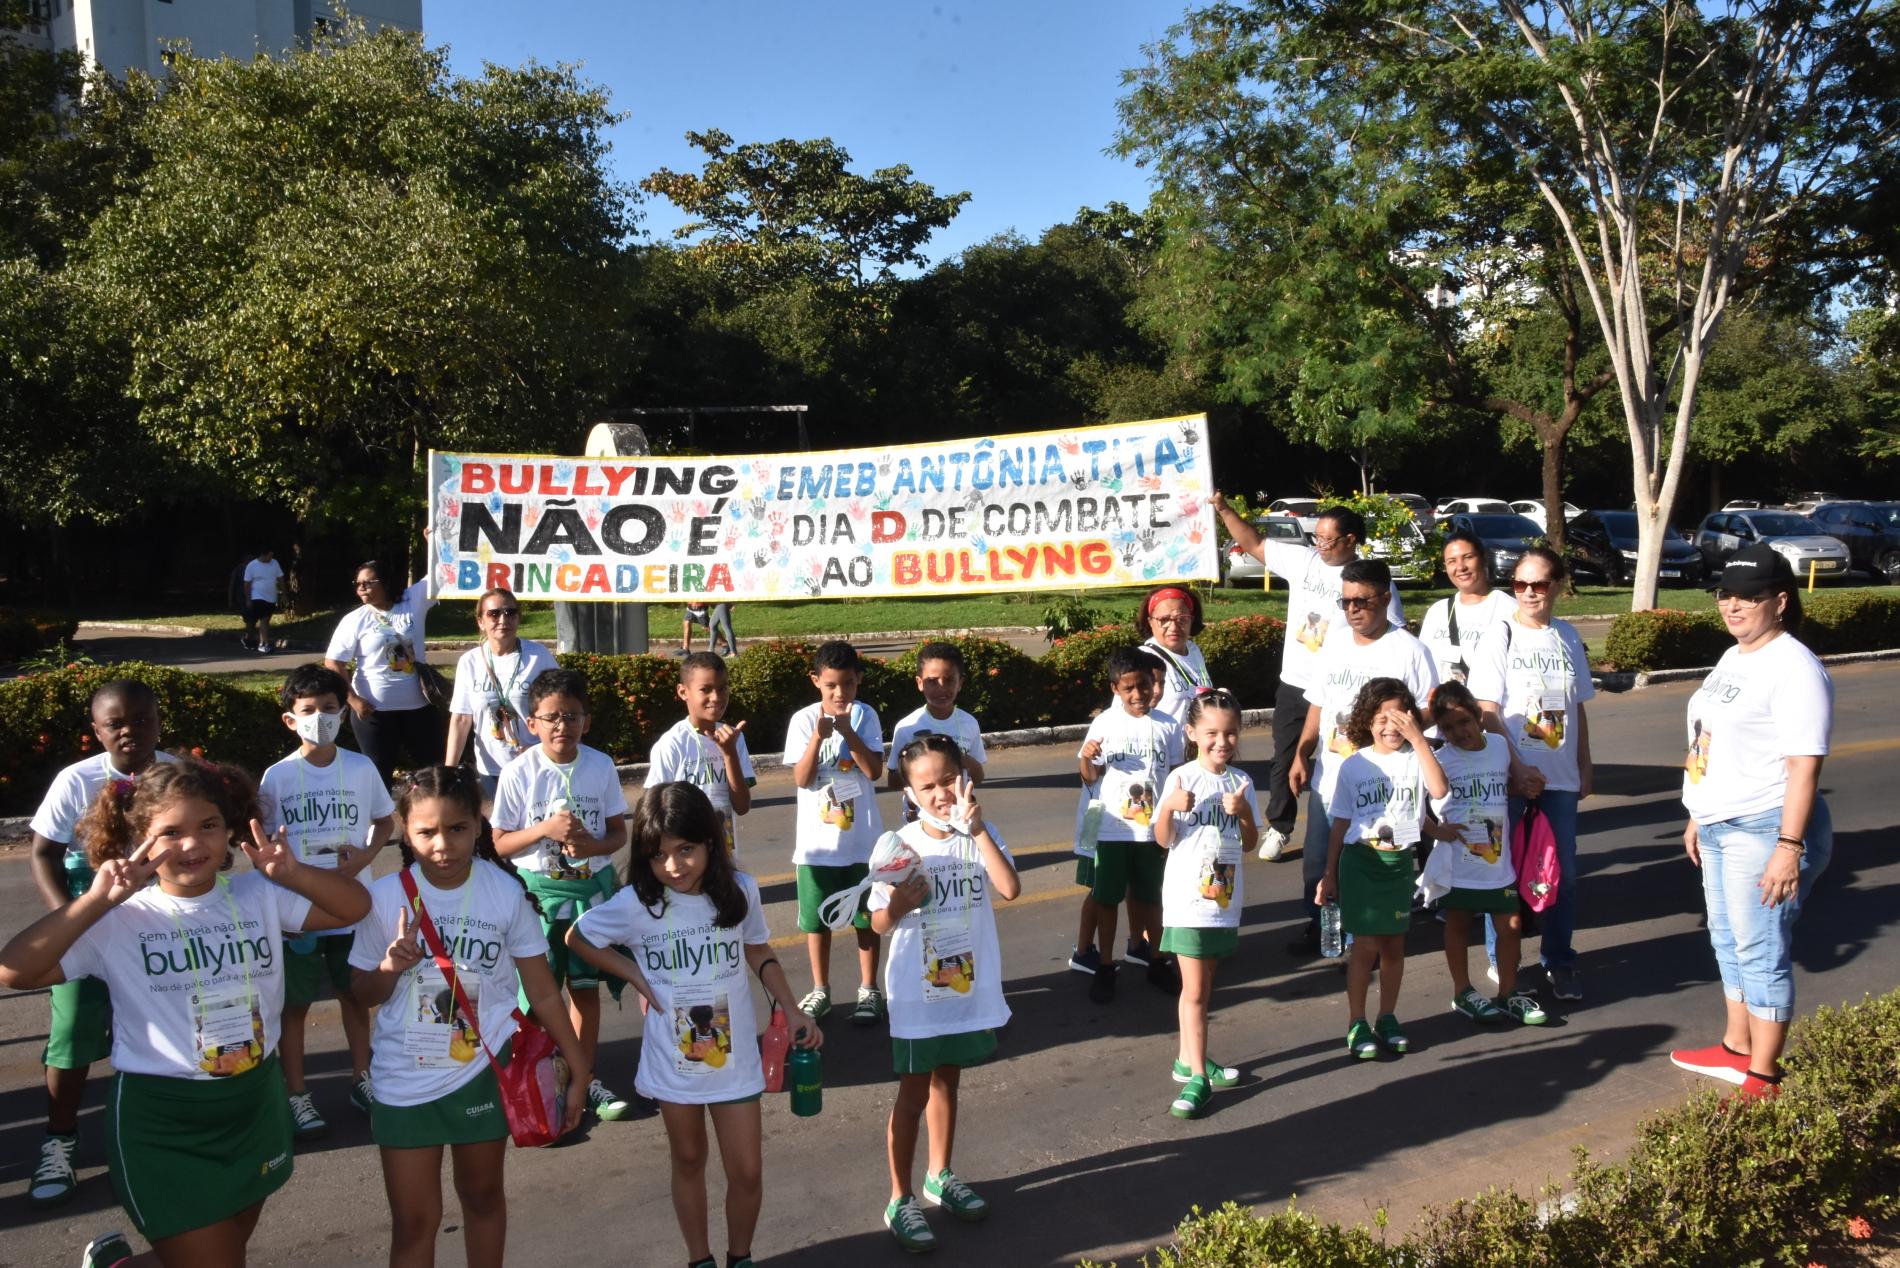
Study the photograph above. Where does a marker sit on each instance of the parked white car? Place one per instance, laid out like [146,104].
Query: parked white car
[1305,510]
[1473,506]
[1532,509]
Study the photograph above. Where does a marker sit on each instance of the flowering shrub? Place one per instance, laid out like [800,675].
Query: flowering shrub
[1003,690]
[632,699]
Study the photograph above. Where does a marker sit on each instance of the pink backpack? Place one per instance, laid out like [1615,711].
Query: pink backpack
[1534,855]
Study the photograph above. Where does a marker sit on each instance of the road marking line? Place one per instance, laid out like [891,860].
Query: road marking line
[1027,851]
[1861,747]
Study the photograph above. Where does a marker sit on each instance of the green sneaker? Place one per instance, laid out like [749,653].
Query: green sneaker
[1359,1041]
[1218,1075]
[817,1003]
[1387,1028]
[359,1093]
[906,1221]
[1526,1009]
[1475,1006]
[956,1197]
[103,1252]
[870,1009]
[1192,1098]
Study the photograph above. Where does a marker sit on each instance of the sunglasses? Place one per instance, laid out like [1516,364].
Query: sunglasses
[1746,600]
[1355,604]
[503,614]
[1532,587]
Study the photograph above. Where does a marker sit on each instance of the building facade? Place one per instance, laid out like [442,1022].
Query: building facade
[119,36]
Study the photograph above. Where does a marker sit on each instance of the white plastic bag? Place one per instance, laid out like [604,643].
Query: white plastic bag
[892,863]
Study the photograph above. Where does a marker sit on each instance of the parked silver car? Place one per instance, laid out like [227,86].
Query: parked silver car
[1240,568]
[1796,538]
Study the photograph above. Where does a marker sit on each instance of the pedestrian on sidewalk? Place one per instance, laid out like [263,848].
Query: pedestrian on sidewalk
[261,576]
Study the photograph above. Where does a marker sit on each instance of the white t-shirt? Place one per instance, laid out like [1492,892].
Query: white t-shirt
[1478,801]
[944,972]
[683,753]
[1204,884]
[260,580]
[484,683]
[533,787]
[1754,710]
[959,726]
[385,647]
[1346,665]
[420,1047]
[1537,678]
[1454,654]
[1382,795]
[1186,678]
[838,818]
[1312,607]
[1137,754]
[700,1046]
[197,983]
[324,808]
[67,799]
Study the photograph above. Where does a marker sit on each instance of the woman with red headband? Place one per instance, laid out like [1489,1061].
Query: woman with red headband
[1169,619]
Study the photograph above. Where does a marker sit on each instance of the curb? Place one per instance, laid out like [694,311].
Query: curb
[1660,677]
[139,627]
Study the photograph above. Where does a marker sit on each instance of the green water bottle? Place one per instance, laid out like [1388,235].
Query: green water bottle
[805,1071]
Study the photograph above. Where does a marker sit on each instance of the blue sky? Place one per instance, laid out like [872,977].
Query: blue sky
[1014,102]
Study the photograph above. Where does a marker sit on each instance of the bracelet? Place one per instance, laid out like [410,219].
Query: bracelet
[1796,849]
[1790,840]
[763,963]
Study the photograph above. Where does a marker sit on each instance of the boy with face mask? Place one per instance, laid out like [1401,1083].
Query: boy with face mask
[336,813]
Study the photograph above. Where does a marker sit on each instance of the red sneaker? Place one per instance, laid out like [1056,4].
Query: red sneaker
[1717,1061]
[1756,1088]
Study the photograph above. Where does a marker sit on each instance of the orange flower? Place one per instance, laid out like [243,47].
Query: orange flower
[1859,1229]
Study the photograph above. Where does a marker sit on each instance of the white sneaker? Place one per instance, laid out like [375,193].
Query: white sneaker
[1272,842]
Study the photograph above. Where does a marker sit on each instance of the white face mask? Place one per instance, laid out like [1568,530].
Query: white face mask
[317,728]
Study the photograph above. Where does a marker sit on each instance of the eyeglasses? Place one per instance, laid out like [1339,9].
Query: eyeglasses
[1746,600]
[371,584]
[1327,543]
[1353,603]
[557,719]
[503,614]
[1182,619]
[1532,587]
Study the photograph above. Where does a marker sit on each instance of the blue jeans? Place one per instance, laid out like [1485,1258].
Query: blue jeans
[1559,920]
[1754,945]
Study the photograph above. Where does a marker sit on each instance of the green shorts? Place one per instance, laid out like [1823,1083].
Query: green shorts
[469,1115]
[306,971]
[1201,944]
[568,969]
[188,1153]
[817,883]
[1375,890]
[80,1031]
[1128,869]
[1085,872]
[921,1056]
[1498,902]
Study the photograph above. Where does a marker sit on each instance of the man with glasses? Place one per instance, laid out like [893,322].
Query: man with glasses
[1368,644]
[1312,574]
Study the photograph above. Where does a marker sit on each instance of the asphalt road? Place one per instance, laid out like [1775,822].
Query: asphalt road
[1067,1133]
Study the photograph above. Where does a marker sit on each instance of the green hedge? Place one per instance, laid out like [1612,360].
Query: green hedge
[44,723]
[1714,1182]
[24,632]
[1666,639]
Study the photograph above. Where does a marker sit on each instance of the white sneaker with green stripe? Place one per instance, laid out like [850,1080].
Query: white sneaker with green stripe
[1471,1003]
[956,1197]
[608,1107]
[906,1221]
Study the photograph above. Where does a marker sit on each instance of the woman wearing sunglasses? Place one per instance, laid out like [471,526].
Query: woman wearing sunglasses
[491,690]
[377,648]
[1531,677]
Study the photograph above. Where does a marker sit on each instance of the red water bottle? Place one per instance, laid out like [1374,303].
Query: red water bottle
[773,1045]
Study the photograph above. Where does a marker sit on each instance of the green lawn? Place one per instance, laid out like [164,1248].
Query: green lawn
[453,621]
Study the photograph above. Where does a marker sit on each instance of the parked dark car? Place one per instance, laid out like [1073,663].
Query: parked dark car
[1505,537]
[1869,530]
[1603,547]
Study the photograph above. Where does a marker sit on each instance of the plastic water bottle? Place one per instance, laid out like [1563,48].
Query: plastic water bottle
[806,1072]
[1332,941]
[774,1044]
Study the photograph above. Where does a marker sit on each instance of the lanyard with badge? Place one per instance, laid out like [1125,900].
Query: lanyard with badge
[504,726]
[1545,709]
[327,854]
[838,794]
[702,1012]
[436,1032]
[1395,829]
[559,864]
[1192,681]
[228,1026]
[401,659]
[949,943]
[708,773]
[1217,846]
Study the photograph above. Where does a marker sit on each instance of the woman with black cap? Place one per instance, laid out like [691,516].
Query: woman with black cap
[1758,828]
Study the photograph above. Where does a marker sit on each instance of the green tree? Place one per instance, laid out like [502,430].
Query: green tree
[344,256]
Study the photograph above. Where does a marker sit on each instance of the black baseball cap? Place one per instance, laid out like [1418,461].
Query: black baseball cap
[1754,570]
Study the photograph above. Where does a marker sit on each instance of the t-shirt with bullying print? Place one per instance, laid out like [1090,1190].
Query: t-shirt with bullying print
[1756,710]
[197,983]
[385,647]
[422,1046]
[683,753]
[1137,754]
[1382,795]
[700,1045]
[67,800]
[944,974]
[1537,678]
[1478,801]
[1348,665]
[1187,676]
[492,692]
[323,809]
[838,818]
[1204,884]
[1312,607]
[535,786]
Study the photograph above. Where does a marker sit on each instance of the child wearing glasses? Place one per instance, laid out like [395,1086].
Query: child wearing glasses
[559,814]
[491,690]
